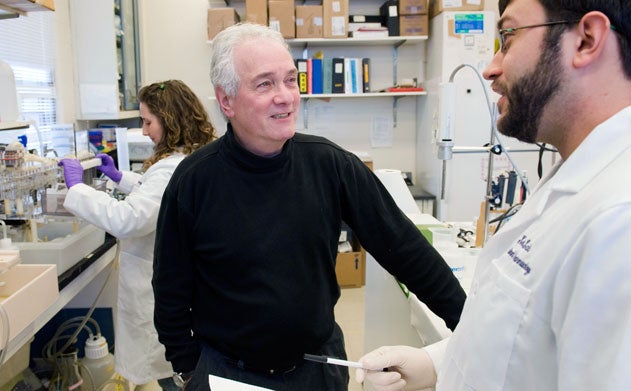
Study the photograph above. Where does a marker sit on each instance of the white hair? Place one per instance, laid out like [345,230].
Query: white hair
[222,71]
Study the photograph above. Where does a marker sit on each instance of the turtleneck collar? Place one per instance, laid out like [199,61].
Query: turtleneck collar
[236,154]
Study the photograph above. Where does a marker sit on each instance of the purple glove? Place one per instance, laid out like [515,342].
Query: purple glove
[73,172]
[108,168]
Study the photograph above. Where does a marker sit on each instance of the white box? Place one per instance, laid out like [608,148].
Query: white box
[64,243]
[28,291]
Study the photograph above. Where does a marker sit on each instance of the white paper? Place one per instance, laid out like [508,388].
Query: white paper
[99,98]
[323,119]
[452,3]
[217,383]
[394,183]
[382,132]
[122,148]
[338,26]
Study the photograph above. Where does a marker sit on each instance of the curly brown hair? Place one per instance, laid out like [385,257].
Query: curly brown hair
[185,122]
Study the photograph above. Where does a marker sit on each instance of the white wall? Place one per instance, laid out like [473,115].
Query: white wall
[174,45]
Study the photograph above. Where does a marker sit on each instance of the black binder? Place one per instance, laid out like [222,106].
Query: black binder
[338,76]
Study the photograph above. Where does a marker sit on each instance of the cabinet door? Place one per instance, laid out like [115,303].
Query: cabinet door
[97,49]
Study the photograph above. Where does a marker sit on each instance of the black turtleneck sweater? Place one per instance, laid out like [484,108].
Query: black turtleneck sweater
[249,244]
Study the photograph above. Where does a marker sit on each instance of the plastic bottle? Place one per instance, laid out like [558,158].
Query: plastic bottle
[98,363]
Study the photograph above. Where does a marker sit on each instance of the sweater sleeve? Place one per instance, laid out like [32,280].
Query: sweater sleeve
[173,281]
[397,244]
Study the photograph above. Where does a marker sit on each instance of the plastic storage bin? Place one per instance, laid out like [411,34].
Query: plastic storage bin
[62,244]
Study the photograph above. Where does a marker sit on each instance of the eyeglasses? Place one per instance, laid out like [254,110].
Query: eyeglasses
[504,33]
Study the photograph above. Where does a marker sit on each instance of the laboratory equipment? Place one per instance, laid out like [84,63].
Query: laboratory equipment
[32,194]
[23,180]
[456,126]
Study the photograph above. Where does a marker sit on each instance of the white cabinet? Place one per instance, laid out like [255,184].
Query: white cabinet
[103,91]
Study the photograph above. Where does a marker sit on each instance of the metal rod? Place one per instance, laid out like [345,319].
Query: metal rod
[489,180]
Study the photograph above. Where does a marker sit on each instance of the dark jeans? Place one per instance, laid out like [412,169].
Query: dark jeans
[307,375]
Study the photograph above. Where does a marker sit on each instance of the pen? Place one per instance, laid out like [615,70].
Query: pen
[335,361]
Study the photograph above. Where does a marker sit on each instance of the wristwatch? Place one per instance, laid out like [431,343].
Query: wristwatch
[180,379]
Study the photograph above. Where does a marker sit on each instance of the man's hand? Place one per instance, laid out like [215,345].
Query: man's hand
[407,368]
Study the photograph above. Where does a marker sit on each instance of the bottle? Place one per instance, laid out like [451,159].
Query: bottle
[66,372]
[97,366]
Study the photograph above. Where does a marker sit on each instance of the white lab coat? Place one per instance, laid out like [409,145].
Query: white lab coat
[138,355]
[550,304]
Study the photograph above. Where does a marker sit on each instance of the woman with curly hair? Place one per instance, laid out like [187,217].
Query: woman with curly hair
[177,123]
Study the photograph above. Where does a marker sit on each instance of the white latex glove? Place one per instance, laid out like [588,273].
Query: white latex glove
[408,369]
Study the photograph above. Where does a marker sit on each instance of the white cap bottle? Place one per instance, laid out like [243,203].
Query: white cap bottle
[98,364]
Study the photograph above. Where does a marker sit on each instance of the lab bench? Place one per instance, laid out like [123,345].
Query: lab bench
[71,283]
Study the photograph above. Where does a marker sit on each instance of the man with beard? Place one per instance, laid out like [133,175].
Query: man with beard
[549,306]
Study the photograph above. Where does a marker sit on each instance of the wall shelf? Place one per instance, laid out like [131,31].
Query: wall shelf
[129,114]
[364,95]
[14,125]
[15,8]
[380,41]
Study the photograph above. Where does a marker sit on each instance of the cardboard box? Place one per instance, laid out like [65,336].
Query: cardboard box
[438,6]
[256,11]
[335,18]
[412,7]
[350,268]
[414,25]
[220,18]
[308,21]
[282,17]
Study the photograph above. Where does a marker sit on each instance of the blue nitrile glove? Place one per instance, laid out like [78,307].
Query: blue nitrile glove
[108,168]
[73,172]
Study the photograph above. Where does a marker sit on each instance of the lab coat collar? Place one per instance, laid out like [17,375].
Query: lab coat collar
[600,148]
[607,141]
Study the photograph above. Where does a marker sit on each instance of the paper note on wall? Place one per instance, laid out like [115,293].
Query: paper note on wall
[382,131]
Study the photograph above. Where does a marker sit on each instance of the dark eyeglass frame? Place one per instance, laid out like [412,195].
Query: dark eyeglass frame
[503,33]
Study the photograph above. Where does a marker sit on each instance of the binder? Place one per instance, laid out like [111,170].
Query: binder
[316,76]
[303,82]
[309,76]
[348,76]
[327,76]
[338,75]
[366,74]
[358,84]
[390,16]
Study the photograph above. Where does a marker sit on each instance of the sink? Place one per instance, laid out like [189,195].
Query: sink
[28,291]
[62,243]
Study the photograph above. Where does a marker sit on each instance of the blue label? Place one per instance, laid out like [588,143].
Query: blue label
[469,24]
